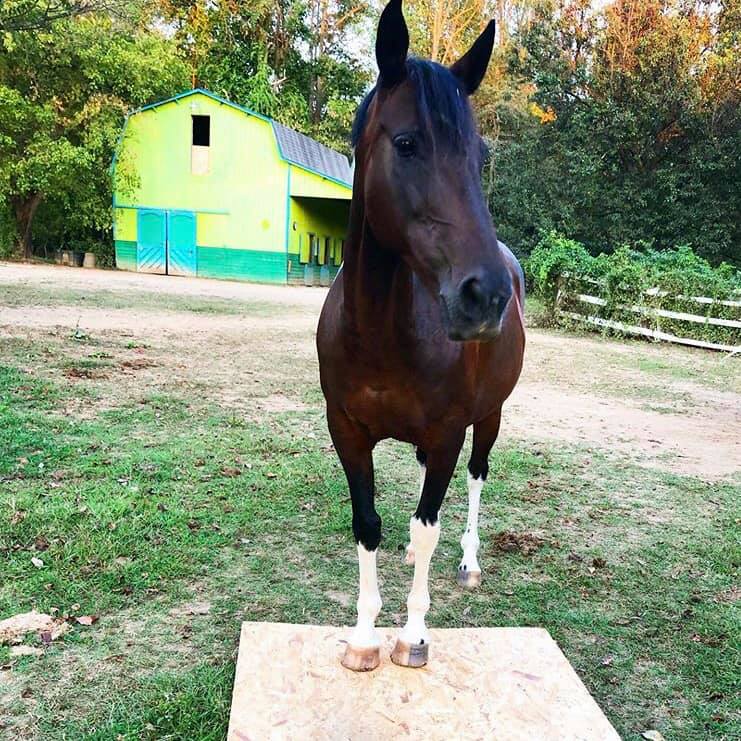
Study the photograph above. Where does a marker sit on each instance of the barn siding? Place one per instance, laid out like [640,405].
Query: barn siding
[241,202]
[295,273]
[224,262]
[295,270]
[246,224]
[125,254]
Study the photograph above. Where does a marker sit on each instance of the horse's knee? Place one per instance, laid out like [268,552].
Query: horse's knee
[478,467]
[367,530]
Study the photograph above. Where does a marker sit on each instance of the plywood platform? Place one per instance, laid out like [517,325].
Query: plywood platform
[508,684]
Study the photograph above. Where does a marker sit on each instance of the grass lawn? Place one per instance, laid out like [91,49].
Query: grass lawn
[172,517]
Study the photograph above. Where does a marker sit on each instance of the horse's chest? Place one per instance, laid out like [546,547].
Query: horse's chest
[389,412]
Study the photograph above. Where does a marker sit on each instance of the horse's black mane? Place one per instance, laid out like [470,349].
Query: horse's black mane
[442,105]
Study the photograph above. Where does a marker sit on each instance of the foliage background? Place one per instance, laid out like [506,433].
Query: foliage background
[559,269]
[615,124]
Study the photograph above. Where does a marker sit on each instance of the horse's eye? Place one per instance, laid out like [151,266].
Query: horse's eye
[405,145]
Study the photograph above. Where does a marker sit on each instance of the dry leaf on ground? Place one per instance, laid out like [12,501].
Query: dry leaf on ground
[14,628]
[87,619]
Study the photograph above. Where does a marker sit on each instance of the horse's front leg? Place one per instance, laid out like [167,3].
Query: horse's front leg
[484,436]
[412,646]
[422,460]
[355,451]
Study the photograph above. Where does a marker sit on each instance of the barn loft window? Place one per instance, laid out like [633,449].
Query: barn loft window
[201,131]
[201,141]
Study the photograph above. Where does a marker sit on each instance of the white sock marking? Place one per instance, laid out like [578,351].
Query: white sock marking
[364,634]
[470,539]
[423,540]
[409,557]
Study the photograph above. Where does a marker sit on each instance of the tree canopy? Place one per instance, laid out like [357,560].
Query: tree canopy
[614,124]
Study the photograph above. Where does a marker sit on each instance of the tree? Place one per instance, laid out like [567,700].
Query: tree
[631,132]
[286,59]
[34,15]
[64,93]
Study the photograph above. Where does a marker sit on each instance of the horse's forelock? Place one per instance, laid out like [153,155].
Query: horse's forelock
[443,107]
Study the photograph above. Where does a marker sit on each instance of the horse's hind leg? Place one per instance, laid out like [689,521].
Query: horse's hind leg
[412,646]
[484,436]
[422,460]
[354,449]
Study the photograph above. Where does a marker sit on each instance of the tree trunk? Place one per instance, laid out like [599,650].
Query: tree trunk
[25,210]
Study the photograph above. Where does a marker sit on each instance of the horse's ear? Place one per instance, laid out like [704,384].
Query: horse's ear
[392,44]
[471,67]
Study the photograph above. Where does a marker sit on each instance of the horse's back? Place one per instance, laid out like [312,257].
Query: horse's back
[515,269]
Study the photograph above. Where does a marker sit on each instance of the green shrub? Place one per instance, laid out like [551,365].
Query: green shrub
[553,257]
[559,270]
[8,237]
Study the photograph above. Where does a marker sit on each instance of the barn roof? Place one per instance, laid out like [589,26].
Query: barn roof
[311,154]
[293,147]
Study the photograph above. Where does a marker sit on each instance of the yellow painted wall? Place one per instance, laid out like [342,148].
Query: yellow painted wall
[125,224]
[212,230]
[325,218]
[304,183]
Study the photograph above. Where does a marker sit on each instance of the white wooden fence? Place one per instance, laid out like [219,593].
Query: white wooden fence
[647,311]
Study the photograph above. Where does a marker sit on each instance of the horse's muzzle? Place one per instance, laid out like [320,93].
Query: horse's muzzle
[476,309]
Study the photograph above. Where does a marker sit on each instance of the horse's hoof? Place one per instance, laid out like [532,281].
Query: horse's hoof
[406,654]
[361,659]
[469,579]
[409,557]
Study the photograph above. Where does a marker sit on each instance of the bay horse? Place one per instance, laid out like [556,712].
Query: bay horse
[421,334]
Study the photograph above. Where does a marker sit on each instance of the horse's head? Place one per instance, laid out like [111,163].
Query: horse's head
[418,170]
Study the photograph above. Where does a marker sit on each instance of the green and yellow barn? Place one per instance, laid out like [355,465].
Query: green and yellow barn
[205,187]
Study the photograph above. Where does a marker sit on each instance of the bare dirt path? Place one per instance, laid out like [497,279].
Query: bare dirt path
[668,407]
[58,276]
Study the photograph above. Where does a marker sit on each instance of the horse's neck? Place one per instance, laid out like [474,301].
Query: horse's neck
[378,291]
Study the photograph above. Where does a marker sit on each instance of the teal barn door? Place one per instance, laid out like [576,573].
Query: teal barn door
[181,243]
[151,245]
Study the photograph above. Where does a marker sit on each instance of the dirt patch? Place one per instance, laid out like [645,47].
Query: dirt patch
[730,595]
[53,276]
[191,608]
[665,407]
[84,373]
[280,403]
[342,598]
[137,364]
[706,444]
[525,543]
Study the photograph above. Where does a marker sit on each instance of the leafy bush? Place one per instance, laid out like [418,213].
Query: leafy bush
[7,233]
[631,285]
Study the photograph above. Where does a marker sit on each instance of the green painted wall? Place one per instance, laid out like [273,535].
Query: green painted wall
[240,202]
[296,274]
[223,262]
[125,255]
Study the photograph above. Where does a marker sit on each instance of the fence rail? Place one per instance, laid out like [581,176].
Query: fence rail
[563,295]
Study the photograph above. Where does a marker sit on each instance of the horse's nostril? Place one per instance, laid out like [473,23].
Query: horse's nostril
[474,294]
[502,302]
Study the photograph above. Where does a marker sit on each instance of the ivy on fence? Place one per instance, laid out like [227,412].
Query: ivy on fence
[672,294]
